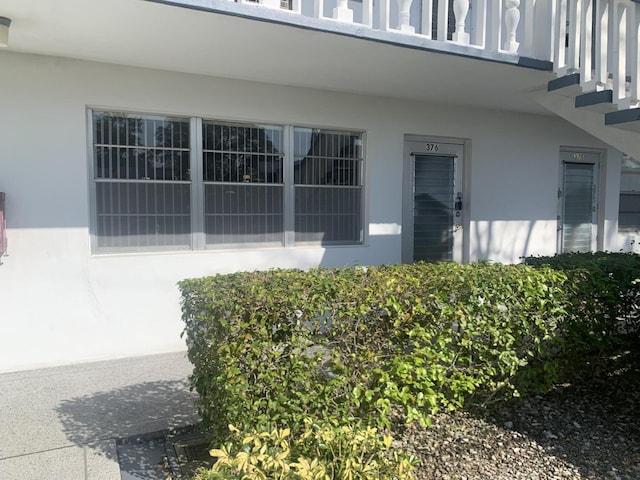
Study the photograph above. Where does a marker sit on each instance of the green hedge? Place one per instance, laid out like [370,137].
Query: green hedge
[604,293]
[276,347]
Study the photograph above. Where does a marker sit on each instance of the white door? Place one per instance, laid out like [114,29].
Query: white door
[578,209]
[434,202]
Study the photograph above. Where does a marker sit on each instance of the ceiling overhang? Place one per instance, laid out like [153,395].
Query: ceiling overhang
[219,38]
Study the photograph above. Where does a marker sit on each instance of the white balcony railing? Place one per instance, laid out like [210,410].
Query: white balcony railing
[596,38]
[602,45]
[493,25]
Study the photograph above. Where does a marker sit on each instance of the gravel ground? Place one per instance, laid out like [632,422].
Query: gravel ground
[589,429]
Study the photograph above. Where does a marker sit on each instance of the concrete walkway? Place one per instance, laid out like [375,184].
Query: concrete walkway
[61,423]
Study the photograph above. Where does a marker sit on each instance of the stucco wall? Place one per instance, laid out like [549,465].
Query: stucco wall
[59,304]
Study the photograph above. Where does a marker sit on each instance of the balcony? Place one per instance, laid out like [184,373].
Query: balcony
[501,30]
[592,45]
[478,53]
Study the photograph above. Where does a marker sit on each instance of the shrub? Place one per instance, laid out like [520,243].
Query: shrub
[604,293]
[276,347]
[321,452]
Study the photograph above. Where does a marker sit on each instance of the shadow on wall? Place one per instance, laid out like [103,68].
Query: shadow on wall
[511,243]
[131,410]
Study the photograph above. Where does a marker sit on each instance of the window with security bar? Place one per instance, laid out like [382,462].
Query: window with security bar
[243,187]
[328,186]
[629,206]
[142,182]
[254,184]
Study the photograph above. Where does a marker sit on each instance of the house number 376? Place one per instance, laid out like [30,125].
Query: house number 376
[432,147]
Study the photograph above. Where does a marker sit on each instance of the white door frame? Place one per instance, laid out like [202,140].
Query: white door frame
[587,156]
[437,146]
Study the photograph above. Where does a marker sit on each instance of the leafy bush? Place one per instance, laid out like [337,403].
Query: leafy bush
[604,293]
[321,452]
[276,347]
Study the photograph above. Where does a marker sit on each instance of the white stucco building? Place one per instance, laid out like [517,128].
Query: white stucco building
[143,142]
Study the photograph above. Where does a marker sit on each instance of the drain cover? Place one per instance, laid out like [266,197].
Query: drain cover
[175,453]
[187,452]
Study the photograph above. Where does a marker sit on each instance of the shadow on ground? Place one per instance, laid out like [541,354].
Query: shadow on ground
[123,412]
[593,423]
[588,429]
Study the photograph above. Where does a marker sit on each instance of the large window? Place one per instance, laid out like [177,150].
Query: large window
[142,182]
[328,196]
[167,183]
[629,209]
[242,173]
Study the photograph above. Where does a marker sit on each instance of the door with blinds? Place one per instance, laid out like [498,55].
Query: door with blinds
[578,209]
[433,221]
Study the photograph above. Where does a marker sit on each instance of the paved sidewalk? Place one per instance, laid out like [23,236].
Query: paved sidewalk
[61,423]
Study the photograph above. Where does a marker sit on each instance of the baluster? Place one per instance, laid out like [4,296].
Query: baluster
[494,24]
[404,16]
[559,56]
[586,47]
[634,58]
[538,28]
[460,11]
[367,13]
[603,13]
[529,23]
[545,38]
[511,20]
[443,20]
[479,18]
[427,18]
[383,15]
[619,51]
[342,12]
[573,52]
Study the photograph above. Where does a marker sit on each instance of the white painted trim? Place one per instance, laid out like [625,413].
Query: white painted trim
[288,196]
[198,235]
[91,189]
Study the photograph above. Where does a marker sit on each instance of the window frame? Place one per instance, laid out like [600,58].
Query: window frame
[93,182]
[199,148]
[197,186]
[359,185]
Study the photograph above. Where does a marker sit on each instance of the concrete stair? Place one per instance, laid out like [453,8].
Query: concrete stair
[593,111]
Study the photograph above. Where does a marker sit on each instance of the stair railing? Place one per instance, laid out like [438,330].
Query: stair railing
[599,40]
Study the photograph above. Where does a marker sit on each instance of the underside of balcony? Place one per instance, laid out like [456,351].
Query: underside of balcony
[225,39]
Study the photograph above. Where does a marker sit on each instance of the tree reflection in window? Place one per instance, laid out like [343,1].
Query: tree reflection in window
[243,176]
[141,148]
[242,153]
[331,158]
[142,188]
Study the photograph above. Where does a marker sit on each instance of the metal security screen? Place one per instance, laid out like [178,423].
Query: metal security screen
[578,208]
[242,173]
[629,212]
[629,206]
[433,207]
[328,186]
[142,182]
[169,183]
